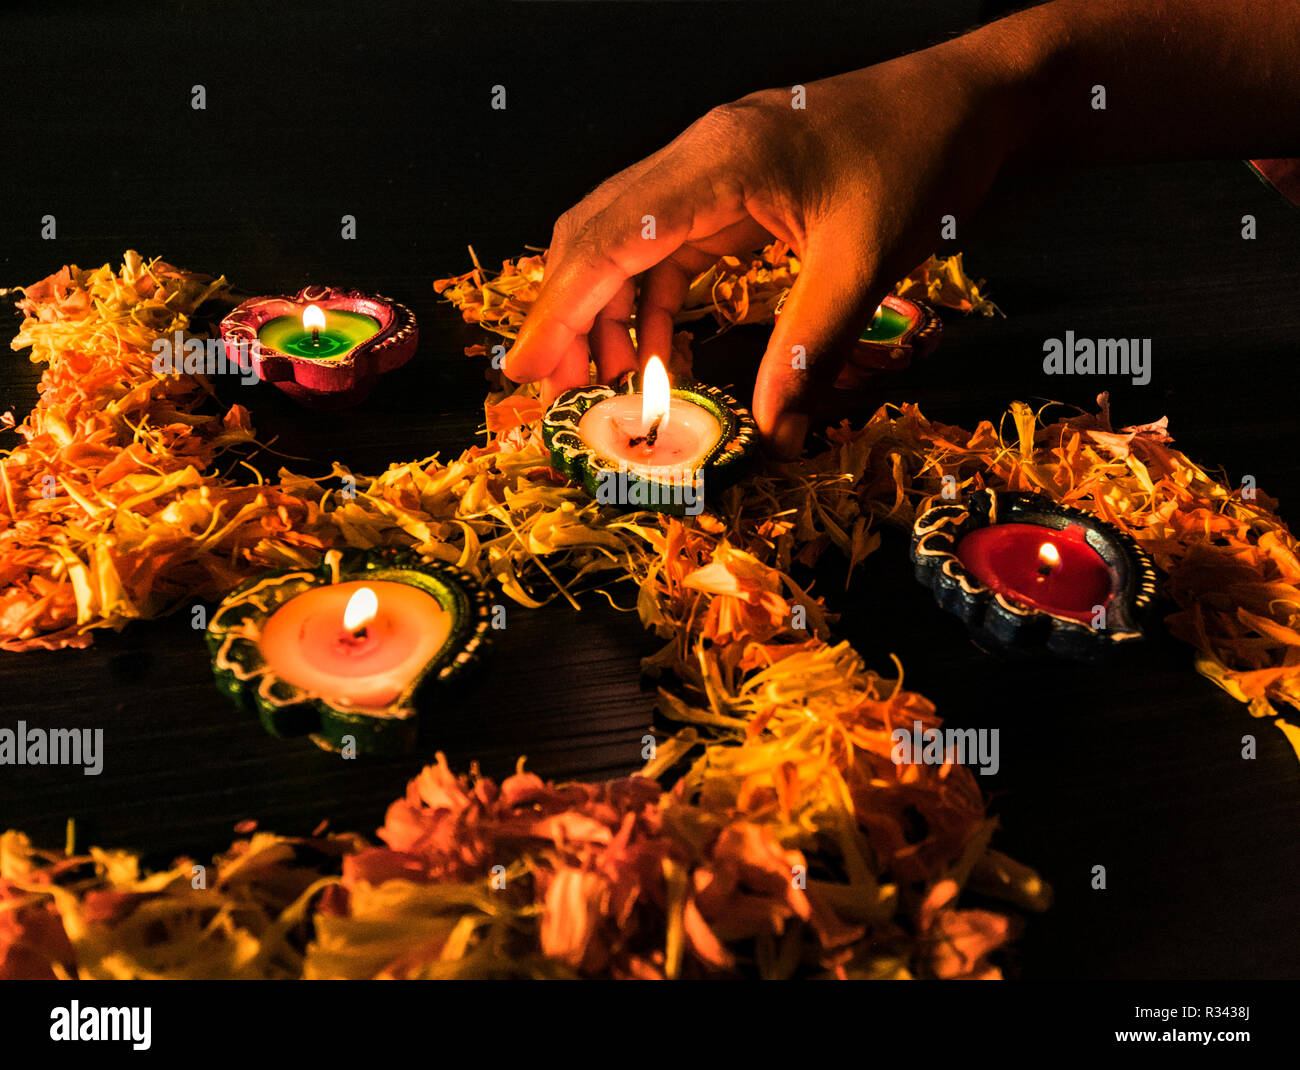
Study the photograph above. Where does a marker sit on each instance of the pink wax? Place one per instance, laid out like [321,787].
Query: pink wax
[686,435]
[305,642]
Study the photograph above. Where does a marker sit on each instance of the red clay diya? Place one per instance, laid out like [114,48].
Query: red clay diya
[1027,573]
[323,347]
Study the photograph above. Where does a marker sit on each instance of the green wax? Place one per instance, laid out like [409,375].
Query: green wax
[342,333]
[887,326]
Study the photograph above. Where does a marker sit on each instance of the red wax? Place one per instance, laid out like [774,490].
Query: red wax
[1009,559]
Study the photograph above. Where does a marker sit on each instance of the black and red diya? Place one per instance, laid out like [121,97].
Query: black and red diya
[1028,574]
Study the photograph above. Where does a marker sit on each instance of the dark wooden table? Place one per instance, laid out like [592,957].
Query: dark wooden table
[1138,770]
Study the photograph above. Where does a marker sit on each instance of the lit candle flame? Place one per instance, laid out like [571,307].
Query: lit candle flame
[655,396]
[361,610]
[1048,558]
[313,318]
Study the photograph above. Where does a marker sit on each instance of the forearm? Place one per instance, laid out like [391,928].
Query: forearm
[1182,78]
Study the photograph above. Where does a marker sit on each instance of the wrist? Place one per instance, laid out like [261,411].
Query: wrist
[1010,71]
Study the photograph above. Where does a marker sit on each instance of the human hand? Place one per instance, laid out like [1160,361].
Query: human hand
[856,182]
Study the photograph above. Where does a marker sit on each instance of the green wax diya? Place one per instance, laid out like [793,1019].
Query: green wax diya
[319,334]
[322,346]
[900,330]
[349,652]
[888,325]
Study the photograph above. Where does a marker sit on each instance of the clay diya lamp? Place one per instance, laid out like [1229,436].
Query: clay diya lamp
[355,648]
[662,449]
[1027,574]
[323,347]
[900,331]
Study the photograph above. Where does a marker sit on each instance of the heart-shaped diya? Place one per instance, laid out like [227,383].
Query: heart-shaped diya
[323,347]
[348,649]
[1025,573]
[595,436]
[900,331]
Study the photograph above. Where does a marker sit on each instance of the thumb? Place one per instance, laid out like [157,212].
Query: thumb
[832,299]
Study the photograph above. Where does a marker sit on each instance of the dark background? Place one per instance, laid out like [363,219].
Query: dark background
[382,112]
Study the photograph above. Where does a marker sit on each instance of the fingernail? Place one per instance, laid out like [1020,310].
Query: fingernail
[789,433]
[506,361]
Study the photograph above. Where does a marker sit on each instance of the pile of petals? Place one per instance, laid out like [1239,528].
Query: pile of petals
[109,510]
[789,845]
[771,835]
[1231,565]
[942,281]
[749,869]
[113,507]
[496,301]
[735,290]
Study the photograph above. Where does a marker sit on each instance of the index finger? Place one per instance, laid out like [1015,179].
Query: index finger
[641,227]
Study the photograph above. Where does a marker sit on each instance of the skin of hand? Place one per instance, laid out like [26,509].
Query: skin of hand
[848,182]
[857,182]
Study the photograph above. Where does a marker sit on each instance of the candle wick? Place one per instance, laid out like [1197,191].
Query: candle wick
[651,436]
[1044,571]
[315,340]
